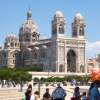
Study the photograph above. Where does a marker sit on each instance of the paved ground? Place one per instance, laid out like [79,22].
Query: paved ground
[14,94]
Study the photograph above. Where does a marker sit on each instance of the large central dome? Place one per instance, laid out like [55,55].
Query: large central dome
[29,26]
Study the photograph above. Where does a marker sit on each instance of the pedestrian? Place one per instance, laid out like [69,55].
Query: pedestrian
[59,93]
[46,95]
[76,94]
[91,86]
[36,95]
[94,92]
[27,95]
[84,97]
[29,87]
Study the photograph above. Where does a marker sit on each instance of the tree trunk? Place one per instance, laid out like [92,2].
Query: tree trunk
[21,86]
[2,83]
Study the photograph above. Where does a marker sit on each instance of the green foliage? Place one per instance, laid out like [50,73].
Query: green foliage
[69,78]
[36,79]
[14,75]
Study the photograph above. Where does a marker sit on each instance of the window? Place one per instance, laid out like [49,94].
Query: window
[61,29]
[26,55]
[35,55]
[61,68]
[43,54]
[15,44]
[12,44]
[13,61]
[27,37]
[4,54]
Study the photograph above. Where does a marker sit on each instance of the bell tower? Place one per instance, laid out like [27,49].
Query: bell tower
[78,26]
[58,25]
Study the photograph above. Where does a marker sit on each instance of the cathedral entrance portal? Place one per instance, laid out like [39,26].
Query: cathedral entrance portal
[71,61]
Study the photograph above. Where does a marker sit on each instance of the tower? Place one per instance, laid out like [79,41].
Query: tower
[11,42]
[78,32]
[78,26]
[11,51]
[58,25]
[58,31]
[28,32]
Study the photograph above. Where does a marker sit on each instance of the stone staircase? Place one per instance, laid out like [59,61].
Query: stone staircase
[10,95]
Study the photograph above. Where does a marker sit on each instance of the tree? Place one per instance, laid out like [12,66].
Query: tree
[17,76]
[5,75]
[21,77]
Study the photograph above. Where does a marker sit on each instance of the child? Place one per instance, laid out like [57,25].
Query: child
[84,97]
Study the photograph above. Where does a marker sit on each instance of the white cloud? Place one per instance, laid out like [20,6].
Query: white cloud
[92,48]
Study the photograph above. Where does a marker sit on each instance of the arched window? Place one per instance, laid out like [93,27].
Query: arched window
[43,54]
[27,37]
[12,44]
[61,29]
[15,44]
[27,55]
[35,55]
[71,61]
[61,68]
[4,54]
[82,68]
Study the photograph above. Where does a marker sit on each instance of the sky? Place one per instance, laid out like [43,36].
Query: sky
[13,15]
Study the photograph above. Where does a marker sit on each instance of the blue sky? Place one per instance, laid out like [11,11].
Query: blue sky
[13,15]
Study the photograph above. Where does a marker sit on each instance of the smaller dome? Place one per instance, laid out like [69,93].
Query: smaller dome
[11,37]
[58,14]
[78,16]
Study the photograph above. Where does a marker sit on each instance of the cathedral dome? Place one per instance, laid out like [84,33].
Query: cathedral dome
[29,26]
[58,14]
[79,16]
[11,37]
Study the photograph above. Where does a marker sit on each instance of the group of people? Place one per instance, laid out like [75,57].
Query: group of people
[29,96]
[92,94]
[58,94]
[78,96]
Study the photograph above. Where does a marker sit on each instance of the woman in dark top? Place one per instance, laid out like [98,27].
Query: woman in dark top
[46,95]
[27,95]
[76,94]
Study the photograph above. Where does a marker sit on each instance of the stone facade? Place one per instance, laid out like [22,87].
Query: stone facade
[56,54]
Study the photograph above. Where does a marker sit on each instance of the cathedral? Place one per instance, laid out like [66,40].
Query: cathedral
[56,54]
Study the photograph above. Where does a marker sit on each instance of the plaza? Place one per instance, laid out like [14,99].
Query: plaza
[15,94]
[58,39]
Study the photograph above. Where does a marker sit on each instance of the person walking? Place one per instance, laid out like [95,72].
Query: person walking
[94,92]
[36,95]
[76,94]
[46,95]
[27,95]
[59,93]
[84,97]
